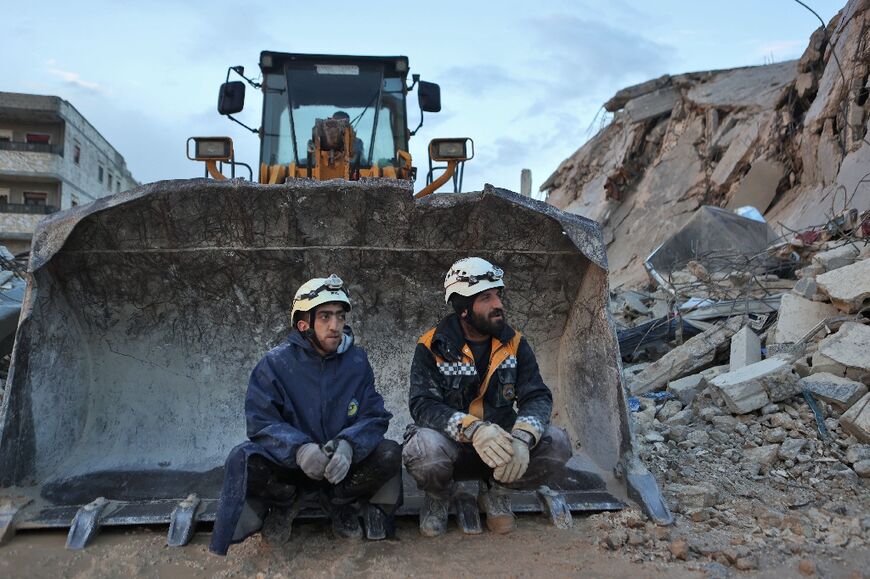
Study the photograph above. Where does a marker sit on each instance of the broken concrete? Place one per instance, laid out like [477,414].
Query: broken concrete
[834,389]
[856,420]
[848,287]
[806,288]
[756,385]
[745,348]
[653,104]
[836,258]
[697,353]
[758,187]
[797,316]
[850,346]
[765,455]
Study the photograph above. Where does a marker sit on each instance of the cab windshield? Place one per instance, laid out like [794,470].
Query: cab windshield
[374,103]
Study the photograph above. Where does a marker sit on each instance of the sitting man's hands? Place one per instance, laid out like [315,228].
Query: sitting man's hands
[493,445]
[338,466]
[312,460]
[516,468]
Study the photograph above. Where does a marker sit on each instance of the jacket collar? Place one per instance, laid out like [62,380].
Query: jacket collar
[297,339]
[449,338]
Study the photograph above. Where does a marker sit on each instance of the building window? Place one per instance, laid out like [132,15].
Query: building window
[38,138]
[109,182]
[117,186]
[74,201]
[77,154]
[5,135]
[100,174]
[35,198]
[4,196]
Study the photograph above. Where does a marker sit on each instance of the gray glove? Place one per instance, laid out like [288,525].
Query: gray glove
[312,460]
[339,464]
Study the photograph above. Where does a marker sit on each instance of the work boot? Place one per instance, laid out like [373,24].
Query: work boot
[495,502]
[433,516]
[345,521]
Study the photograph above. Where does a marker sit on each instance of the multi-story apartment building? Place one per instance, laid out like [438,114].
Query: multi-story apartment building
[51,158]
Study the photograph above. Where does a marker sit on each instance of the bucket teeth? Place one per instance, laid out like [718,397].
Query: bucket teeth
[467,513]
[555,505]
[182,525]
[8,509]
[86,524]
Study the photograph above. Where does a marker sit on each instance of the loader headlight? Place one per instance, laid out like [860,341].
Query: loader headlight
[460,149]
[210,149]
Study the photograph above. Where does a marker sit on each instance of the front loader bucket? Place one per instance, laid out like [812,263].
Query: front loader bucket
[146,312]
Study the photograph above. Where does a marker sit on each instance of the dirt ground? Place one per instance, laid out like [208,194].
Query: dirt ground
[536,549]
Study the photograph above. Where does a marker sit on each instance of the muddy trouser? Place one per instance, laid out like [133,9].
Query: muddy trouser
[253,483]
[436,460]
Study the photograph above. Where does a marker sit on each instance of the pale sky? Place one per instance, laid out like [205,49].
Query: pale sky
[525,80]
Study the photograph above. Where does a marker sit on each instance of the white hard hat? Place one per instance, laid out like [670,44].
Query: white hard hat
[318,291]
[470,276]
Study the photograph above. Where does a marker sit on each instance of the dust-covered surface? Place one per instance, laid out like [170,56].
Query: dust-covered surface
[535,549]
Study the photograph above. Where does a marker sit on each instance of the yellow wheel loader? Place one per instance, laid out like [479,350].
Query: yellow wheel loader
[146,311]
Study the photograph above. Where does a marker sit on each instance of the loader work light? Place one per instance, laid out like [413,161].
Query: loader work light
[451,149]
[210,149]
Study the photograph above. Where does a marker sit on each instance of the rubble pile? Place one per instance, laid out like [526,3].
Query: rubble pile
[789,139]
[758,426]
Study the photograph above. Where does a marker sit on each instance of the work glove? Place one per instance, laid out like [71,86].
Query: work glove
[339,464]
[516,468]
[312,460]
[493,445]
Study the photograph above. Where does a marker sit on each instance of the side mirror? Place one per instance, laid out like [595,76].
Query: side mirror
[429,97]
[231,99]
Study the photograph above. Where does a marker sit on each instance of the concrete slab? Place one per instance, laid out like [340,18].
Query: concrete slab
[756,385]
[856,420]
[848,287]
[797,316]
[758,187]
[850,346]
[837,390]
[745,348]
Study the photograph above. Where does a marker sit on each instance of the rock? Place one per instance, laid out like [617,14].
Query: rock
[805,288]
[807,567]
[849,286]
[669,409]
[652,104]
[636,538]
[849,347]
[857,453]
[683,417]
[821,363]
[790,448]
[756,385]
[836,258]
[798,316]
[758,187]
[698,438]
[679,549]
[745,348]
[724,423]
[856,420]
[696,353]
[616,539]
[862,468]
[686,389]
[747,563]
[627,94]
[653,437]
[775,435]
[695,496]
[836,390]
[634,304]
[764,455]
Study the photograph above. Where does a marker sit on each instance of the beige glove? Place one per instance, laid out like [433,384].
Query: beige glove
[516,468]
[312,460]
[493,445]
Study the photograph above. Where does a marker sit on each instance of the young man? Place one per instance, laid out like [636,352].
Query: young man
[315,421]
[468,375]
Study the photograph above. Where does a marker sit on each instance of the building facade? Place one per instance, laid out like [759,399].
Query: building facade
[51,158]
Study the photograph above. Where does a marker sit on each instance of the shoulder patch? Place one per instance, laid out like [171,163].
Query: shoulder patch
[353,407]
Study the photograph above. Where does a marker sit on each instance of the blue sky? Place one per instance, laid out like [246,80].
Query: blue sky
[526,80]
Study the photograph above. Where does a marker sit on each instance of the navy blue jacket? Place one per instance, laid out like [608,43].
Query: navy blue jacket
[296,396]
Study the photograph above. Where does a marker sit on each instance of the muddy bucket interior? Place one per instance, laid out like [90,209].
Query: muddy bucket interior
[147,311]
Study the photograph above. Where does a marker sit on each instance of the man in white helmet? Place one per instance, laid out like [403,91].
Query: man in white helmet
[315,422]
[480,407]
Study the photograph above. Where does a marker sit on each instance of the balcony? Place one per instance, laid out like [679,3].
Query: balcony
[31,147]
[30,209]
